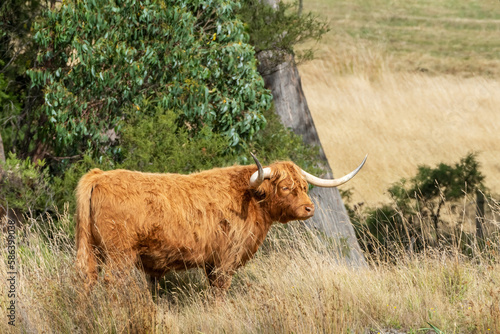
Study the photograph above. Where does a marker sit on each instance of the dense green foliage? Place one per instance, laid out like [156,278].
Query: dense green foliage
[103,57]
[8,101]
[417,207]
[276,142]
[16,18]
[158,144]
[17,54]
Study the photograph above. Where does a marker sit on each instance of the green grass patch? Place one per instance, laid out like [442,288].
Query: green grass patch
[451,37]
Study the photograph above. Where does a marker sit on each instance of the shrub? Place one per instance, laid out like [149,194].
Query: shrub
[275,142]
[427,192]
[159,144]
[24,187]
[415,220]
[278,29]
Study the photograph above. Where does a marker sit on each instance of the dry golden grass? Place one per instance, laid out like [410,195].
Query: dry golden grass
[402,120]
[293,285]
[402,105]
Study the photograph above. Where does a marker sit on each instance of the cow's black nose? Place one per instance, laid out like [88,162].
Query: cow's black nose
[309,209]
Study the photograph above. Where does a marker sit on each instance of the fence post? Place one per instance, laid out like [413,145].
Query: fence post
[479,214]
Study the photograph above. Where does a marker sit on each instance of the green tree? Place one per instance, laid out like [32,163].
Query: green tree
[427,192]
[418,202]
[276,30]
[24,188]
[103,57]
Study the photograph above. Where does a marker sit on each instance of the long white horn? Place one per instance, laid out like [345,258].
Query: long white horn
[335,182]
[262,173]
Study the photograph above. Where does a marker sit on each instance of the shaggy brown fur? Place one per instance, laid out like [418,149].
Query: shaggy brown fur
[162,222]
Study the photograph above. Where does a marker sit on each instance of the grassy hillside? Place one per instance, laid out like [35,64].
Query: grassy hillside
[409,83]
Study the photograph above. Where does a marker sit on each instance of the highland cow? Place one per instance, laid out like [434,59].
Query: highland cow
[215,219]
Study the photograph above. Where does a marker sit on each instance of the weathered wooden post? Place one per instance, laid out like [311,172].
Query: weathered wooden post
[479,214]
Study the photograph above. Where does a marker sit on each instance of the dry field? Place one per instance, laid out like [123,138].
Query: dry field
[294,285]
[409,84]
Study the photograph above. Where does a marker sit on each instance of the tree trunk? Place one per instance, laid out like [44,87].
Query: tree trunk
[331,217]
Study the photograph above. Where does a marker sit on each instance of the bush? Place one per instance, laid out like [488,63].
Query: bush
[275,142]
[278,29]
[415,219]
[101,58]
[159,144]
[24,187]
[64,186]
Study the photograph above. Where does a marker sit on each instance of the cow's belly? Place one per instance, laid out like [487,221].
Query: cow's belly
[163,250]
[158,268]
[157,262]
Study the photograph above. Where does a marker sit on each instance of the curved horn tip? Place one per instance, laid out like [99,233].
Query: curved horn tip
[364,160]
[257,162]
[335,182]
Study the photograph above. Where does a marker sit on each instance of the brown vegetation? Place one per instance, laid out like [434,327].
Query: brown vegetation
[294,284]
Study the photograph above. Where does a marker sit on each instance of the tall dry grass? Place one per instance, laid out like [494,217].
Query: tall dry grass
[402,120]
[409,83]
[294,284]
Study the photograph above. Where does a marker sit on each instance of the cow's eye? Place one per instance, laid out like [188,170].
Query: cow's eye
[285,188]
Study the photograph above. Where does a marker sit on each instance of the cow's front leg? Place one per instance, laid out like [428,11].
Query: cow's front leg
[219,278]
[154,286]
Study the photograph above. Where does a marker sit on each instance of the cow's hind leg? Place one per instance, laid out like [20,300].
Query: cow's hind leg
[119,266]
[86,263]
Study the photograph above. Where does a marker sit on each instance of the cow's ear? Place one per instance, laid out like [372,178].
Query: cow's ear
[262,191]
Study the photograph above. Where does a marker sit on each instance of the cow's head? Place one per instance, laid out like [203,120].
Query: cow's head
[283,186]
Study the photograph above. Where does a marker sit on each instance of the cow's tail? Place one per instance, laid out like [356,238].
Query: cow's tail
[86,262]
